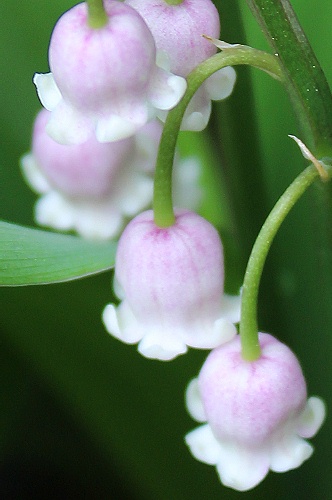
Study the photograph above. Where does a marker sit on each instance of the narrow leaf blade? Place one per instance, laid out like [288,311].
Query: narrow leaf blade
[34,257]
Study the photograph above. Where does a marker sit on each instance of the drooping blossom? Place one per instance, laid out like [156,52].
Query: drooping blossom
[256,414]
[93,188]
[178,32]
[106,80]
[170,282]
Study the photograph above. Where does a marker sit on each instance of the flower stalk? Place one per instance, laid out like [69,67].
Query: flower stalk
[230,56]
[248,324]
[97,17]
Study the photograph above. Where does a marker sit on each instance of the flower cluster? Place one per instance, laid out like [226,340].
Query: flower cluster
[93,188]
[92,161]
[94,149]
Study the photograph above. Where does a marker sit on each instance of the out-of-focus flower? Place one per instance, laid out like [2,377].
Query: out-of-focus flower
[256,413]
[178,30]
[170,281]
[93,187]
[104,80]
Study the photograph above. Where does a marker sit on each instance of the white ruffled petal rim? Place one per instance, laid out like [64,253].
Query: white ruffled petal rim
[166,89]
[231,307]
[194,401]
[68,126]
[221,84]
[238,468]
[221,332]
[203,445]
[117,126]
[113,320]
[289,453]
[198,112]
[312,417]
[156,345]
[165,342]
[91,220]
[122,324]
[32,174]
[242,469]
[47,90]
[196,116]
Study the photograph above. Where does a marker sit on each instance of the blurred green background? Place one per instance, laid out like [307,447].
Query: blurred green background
[84,416]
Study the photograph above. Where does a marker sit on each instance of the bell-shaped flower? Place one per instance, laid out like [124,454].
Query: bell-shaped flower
[104,80]
[170,282]
[257,413]
[93,187]
[178,30]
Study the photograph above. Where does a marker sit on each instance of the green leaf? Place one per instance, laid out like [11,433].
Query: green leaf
[34,257]
[305,80]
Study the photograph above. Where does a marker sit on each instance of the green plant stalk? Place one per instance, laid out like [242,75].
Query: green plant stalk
[97,17]
[304,78]
[248,325]
[174,2]
[162,196]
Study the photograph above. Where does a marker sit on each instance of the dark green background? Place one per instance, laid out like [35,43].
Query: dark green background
[83,415]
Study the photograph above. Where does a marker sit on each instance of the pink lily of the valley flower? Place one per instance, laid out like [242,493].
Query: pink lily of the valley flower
[93,188]
[104,81]
[170,282]
[256,414]
[178,32]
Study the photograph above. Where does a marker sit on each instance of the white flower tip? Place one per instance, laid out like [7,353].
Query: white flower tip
[220,85]
[231,307]
[312,417]
[52,210]
[289,454]
[166,90]
[203,445]
[177,86]
[195,122]
[161,347]
[32,174]
[47,90]
[194,401]
[115,128]
[110,320]
[224,331]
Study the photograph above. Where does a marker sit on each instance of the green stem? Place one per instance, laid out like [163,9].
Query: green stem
[248,325]
[162,196]
[304,78]
[174,2]
[97,17]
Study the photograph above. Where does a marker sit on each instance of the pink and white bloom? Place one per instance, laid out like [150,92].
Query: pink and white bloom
[170,282]
[93,187]
[178,30]
[104,81]
[257,413]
